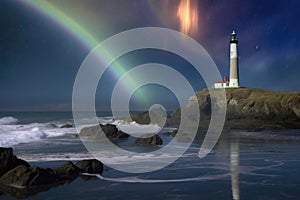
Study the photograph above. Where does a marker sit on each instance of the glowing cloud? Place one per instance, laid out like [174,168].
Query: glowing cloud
[188,16]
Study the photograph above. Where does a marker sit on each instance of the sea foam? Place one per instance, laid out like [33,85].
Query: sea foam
[12,133]
[9,138]
[8,120]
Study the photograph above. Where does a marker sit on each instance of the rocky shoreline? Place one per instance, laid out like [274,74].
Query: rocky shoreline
[19,179]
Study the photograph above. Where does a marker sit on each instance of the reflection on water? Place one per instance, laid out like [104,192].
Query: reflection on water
[234,166]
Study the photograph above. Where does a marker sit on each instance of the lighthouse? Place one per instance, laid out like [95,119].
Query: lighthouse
[234,67]
[233,81]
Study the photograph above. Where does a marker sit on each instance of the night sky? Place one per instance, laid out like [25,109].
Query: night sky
[39,58]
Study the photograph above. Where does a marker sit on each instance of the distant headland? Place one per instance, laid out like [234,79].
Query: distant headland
[247,108]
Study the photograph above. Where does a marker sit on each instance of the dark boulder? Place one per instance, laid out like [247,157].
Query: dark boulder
[22,176]
[145,141]
[9,161]
[19,176]
[110,130]
[66,126]
[68,171]
[21,180]
[44,176]
[25,176]
[122,135]
[99,132]
[91,166]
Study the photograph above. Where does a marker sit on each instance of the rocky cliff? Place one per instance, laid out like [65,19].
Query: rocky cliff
[249,108]
[249,103]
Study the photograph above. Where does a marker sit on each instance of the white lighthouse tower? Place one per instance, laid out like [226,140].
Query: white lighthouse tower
[233,81]
[234,67]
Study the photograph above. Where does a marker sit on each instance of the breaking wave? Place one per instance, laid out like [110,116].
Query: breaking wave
[8,120]
[12,133]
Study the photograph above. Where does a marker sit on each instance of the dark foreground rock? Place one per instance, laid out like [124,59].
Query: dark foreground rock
[24,176]
[153,140]
[90,166]
[68,171]
[99,132]
[21,180]
[9,161]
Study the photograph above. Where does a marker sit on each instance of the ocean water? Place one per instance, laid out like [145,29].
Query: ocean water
[243,165]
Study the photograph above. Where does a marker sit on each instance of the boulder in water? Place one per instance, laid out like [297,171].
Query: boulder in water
[99,132]
[68,171]
[66,126]
[145,141]
[91,166]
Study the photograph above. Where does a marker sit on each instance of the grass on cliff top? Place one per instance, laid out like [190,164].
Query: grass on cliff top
[255,95]
[253,92]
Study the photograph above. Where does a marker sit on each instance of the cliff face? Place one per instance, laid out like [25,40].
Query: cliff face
[248,108]
[249,103]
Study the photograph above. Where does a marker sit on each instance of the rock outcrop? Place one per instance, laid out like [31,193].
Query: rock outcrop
[247,108]
[68,171]
[92,166]
[19,179]
[147,141]
[25,176]
[249,103]
[9,161]
[97,132]
[158,116]
[66,126]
